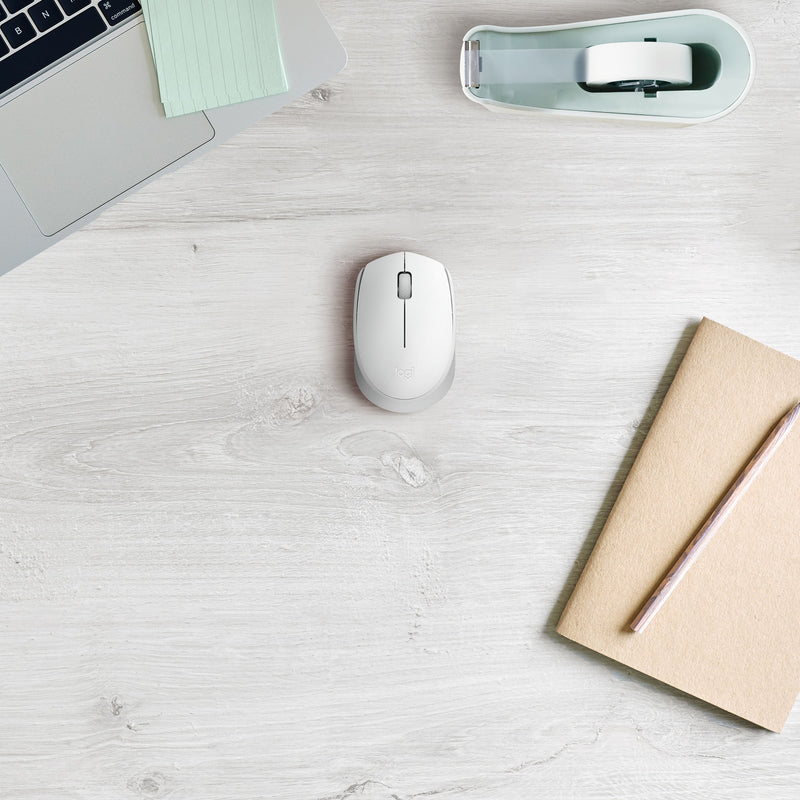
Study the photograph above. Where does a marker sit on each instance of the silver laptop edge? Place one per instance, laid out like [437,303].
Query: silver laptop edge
[311,52]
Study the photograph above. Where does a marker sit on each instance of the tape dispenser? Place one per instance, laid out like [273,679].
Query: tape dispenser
[678,67]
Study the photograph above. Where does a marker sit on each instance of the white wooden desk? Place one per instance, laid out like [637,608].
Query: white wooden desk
[223,574]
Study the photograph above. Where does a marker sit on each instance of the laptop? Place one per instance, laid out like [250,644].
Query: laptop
[81,122]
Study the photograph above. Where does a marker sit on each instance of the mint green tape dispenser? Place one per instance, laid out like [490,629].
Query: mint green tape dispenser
[678,67]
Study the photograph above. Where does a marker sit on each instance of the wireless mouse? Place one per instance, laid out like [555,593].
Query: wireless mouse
[404,332]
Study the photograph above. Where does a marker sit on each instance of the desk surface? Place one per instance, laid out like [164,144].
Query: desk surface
[224,575]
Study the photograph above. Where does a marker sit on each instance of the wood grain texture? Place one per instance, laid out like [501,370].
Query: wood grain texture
[223,574]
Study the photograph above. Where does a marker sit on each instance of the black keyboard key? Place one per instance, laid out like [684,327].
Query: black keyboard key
[117,10]
[45,14]
[2,14]
[3,48]
[16,5]
[71,6]
[18,30]
[46,50]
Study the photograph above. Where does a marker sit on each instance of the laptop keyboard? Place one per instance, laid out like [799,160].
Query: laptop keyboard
[34,34]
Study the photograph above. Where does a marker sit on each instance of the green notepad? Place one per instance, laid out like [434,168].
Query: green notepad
[211,53]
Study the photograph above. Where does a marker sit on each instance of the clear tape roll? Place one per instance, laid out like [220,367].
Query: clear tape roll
[661,62]
[598,65]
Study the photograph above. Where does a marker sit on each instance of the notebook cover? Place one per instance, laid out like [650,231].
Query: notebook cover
[730,632]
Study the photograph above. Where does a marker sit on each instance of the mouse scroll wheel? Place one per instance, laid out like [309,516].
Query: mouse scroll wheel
[404,285]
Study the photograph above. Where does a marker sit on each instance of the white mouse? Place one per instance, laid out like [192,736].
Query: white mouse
[404,332]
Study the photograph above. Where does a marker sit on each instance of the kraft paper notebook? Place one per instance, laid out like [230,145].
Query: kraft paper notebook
[730,633]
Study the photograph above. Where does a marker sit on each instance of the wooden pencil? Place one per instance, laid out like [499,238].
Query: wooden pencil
[715,520]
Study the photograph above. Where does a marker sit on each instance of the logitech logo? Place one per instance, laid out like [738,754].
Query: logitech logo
[407,374]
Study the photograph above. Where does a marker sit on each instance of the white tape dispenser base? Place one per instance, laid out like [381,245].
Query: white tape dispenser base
[677,67]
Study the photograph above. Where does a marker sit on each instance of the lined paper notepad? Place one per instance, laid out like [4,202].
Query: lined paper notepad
[211,53]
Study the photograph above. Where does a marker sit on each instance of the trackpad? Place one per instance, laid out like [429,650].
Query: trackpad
[91,132]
